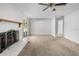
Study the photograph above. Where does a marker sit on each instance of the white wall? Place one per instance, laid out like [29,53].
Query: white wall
[53,26]
[72,26]
[41,26]
[4,26]
[8,11]
[28,26]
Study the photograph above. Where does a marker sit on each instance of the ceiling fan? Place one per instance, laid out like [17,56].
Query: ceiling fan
[51,5]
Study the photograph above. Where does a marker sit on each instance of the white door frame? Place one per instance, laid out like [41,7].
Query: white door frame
[56,25]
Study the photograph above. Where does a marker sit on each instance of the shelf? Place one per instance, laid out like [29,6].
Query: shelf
[11,21]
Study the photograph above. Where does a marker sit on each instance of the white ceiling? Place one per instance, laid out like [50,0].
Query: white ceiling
[35,11]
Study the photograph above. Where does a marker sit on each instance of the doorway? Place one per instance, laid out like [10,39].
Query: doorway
[60,26]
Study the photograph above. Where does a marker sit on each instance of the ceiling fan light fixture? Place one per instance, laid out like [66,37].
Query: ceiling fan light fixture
[54,9]
[52,5]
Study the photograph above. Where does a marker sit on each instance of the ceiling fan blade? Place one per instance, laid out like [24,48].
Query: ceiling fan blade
[43,4]
[46,8]
[60,4]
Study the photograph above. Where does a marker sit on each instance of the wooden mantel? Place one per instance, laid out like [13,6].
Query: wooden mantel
[11,21]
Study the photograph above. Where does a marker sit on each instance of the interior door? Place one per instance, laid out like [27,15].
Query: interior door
[60,26]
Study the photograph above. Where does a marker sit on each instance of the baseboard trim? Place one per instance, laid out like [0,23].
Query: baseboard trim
[71,39]
[40,35]
[53,35]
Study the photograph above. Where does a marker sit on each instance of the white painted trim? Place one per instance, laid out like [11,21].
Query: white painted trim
[53,35]
[71,39]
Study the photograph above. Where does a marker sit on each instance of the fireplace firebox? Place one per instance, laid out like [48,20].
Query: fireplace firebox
[8,38]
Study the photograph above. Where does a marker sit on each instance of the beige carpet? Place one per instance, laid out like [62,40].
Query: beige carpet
[50,46]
